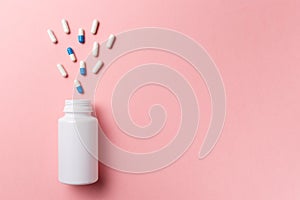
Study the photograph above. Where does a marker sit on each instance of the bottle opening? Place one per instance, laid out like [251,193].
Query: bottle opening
[78,105]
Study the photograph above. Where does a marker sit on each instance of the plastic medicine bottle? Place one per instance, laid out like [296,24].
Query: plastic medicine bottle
[78,144]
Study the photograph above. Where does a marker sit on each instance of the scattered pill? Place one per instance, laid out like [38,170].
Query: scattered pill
[52,36]
[65,26]
[71,54]
[95,26]
[82,68]
[62,70]
[78,86]
[110,41]
[97,67]
[81,38]
[95,49]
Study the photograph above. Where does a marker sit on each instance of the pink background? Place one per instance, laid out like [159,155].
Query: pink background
[256,47]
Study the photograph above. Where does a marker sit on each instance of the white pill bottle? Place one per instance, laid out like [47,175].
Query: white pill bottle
[78,144]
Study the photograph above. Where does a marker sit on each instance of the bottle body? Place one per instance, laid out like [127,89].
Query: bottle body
[77,145]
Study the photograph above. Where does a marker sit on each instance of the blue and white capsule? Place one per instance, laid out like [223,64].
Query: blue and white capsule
[71,54]
[78,86]
[81,38]
[82,68]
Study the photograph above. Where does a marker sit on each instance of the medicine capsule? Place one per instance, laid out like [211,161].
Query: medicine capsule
[71,54]
[95,49]
[94,26]
[110,41]
[52,36]
[82,68]
[81,38]
[97,67]
[62,70]
[65,26]
[78,86]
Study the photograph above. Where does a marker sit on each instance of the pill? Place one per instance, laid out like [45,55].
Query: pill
[78,86]
[95,26]
[71,54]
[62,70]
[65,26]
[52,36]
[81,36]
[82,68]
[110,41]
[95,49]
[97,67]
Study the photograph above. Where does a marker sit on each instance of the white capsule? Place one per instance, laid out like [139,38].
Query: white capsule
[96,49]
[65,26]
[110,41]
[97,67]
[62,70]
[52,36]
[94,26]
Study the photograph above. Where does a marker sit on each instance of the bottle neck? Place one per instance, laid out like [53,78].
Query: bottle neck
[78,114]
[78,106]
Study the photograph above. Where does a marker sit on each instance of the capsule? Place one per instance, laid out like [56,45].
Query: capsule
[97,67]
[82,68]
[81,38]
[62,70]
[71,54]
[110,41]
[78,86]
[52,36]
[65,26]
[95,49]
[95,26]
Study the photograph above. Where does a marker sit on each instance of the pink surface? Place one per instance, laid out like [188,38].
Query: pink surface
[256,47]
